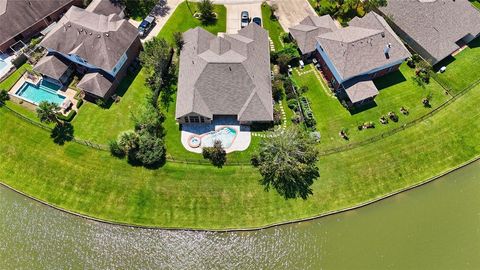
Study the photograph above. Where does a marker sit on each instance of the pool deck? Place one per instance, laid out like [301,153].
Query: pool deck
[67,93]
[241,142]
[8,60]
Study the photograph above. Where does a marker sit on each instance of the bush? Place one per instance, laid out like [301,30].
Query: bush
[303,89]
[151,150]
[79,103]
[4,96]
[115,149]
[277,116]
[206,11]
[310,122]
[67,118]
[278,90]
[286,38]
[216,154]
[292,104]
[100,103]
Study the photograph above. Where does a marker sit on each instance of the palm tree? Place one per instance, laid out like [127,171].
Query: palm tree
[47,112]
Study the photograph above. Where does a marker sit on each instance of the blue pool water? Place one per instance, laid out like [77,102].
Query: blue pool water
[225,135]
[45,91]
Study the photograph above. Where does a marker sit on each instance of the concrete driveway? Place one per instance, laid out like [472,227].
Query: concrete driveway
[291,12]
[234,13]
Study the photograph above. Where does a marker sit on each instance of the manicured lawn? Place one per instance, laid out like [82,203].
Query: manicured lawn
[101,125]
[12,79]
[396,90]
[464,70]
[274,28]
[182,20]
[475,3]
[92,182]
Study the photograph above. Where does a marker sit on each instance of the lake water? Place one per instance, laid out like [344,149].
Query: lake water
[436,226]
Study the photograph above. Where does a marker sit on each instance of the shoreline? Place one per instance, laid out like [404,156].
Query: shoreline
[251,229]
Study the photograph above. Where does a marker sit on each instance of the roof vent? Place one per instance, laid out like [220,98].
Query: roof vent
[386,50]
[99,36]
[90,33]
[107,34]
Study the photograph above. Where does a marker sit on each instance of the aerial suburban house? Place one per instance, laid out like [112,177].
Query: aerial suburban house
[351,57]
[107,7]
[98,48]
[225,76]
[434,29]
[22,19]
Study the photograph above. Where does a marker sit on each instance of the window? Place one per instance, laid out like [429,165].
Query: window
[202,120]
[194,119]
[185,119]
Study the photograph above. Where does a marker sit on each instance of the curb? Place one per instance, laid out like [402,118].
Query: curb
[250,229]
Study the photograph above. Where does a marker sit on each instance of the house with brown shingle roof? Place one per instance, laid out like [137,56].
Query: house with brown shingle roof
[434,28]
[97,47]
[351,57]
[20,20]
[225,76]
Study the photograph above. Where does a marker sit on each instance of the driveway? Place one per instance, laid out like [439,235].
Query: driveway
[291,12]
[162,12]
[234,11]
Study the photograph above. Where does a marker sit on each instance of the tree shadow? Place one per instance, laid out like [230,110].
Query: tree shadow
[161,9]
[62,133]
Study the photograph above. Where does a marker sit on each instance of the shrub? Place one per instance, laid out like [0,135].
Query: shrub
[206,11]
[302,89]
[277,116]
[67,118]
[115,149]
[292,104]
[4,96]
[100,103]
[79,103]
[278,90]
[216,154]
[286,38]
[151,149]
[296,118]
[310,122]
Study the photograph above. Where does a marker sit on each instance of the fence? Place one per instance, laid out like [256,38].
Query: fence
[396,130]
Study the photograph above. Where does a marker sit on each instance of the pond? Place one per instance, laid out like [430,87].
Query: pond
[436,226]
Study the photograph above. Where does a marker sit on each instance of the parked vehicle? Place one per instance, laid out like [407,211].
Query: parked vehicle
[245,19]
[146,26]
[257,20]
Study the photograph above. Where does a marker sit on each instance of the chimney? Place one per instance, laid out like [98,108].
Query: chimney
[386,50]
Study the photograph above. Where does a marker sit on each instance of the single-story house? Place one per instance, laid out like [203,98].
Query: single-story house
[97,47]
[434,29]
[225,76]
[20,20]
[351,57]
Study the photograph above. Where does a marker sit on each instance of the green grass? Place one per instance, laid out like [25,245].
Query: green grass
[9,82]
[274,28]
[101,125]
[91,182]
[475,3]
[396,90]
[182,20]
[464,70]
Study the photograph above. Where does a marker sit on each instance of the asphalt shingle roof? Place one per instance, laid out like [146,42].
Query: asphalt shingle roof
[227,75]
[21,15]
[360,47]
[309,28]
[51,66]
[435,25]
[95,83]
[100,40]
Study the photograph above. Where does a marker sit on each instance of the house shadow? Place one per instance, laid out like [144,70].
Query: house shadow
[123,87]
[363,107]
[388,80]
[445,62]
[474,43]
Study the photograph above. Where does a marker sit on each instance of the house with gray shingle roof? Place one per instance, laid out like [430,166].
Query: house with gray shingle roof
[225,76]
[97,47]
[434,28]
[351,57]
[20,20]
[309,29]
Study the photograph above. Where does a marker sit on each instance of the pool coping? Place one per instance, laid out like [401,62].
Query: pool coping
[251,229]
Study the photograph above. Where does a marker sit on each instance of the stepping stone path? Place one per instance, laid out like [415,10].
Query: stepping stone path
[272,47]
[276,132]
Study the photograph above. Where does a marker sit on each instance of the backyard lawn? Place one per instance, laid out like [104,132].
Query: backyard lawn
[396,90]
[91,182]
[475,3]
[274,28]
[182,20]
[463,69]
[14,77]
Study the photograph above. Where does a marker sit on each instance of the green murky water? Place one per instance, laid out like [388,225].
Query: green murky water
[433,227]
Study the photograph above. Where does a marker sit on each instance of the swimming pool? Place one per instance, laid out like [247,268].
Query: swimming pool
[3,64]
[44,91]
[226,135]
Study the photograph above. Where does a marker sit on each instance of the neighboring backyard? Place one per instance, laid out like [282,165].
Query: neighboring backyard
[182,20]
[462,70]
[396,90]
[274,28]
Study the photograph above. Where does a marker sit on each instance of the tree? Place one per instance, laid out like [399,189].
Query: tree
[178,39]
[288,163]
[149,120]
[47,112]
[156,59]
[206,11]
[373,4]
[216,154]
[137,8]
[151,149]
[128,141]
